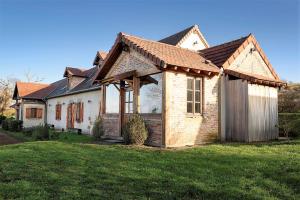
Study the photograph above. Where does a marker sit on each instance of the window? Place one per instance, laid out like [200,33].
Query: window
[34,113]
[58,112]
[194,95]
[112,99]
[129,101]
[151,95]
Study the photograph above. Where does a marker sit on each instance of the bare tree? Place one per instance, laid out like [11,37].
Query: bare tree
[30,77]
[6,90]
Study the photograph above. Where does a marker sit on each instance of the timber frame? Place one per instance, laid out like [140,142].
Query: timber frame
[123,82]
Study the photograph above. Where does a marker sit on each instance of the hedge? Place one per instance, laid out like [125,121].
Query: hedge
[294,122]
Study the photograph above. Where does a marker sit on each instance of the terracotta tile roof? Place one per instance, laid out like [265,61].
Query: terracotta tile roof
[46,91]
[101,55]
[163,55]
[177,38]
[25,88]
[219,54]
[75,72]
[255,78]
[223,55]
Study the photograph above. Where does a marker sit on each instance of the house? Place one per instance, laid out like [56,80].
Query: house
[187,92]
[70,103]
[226,92]
[30,110]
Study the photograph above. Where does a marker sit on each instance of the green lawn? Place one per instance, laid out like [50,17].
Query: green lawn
[60,170]
[68,137]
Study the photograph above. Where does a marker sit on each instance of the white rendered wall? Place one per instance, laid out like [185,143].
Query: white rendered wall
[32,122]
[91,101]
[251,62]
[193,42]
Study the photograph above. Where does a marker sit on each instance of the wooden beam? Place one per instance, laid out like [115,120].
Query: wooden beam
[198,71]
[186,69]
[116,87]
[136,95]
[121,106]
[125,75]
[148,79]
[103,100]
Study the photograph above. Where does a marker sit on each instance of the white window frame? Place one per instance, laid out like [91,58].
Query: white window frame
[194,94]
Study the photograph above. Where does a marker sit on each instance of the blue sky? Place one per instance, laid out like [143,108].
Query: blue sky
[45,36]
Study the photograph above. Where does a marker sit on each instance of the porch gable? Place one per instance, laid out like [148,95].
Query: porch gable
[129,61]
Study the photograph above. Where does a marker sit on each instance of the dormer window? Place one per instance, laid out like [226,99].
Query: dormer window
[75,76]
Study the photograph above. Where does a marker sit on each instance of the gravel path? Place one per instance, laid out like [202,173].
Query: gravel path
[5,139]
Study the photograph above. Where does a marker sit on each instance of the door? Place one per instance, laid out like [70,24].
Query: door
[70,116]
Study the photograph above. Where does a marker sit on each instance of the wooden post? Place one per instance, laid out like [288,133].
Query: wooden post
[222,113]
[165,104]
[103,101]
[136,95]
[121,106]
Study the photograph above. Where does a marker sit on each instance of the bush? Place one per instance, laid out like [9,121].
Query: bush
[12,125]
[98,129]
[41,133]
[289,124]
[28,131]
[2,118]
[54,135]
[15,125]
[135,131]
[5,124]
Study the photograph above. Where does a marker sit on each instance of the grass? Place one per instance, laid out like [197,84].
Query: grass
[67,137]
[60,170]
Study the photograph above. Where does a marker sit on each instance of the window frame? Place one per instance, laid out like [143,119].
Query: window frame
[128,101]
[33,115]
[194,101]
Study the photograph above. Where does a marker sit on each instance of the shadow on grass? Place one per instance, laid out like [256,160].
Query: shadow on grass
[58,170]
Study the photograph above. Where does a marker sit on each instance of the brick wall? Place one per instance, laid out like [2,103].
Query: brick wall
[154,125]
[152,121]
[181,128]
[132,60]
[111,125]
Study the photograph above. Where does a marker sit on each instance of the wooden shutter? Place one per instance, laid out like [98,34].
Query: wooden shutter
[39,113]
[56,108]
[81,112]
[28,113]
[58,112]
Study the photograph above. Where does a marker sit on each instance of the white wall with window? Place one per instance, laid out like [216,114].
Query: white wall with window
[33,114]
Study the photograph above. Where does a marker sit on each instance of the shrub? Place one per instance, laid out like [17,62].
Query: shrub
[5,124]
[98,129]
[289,124]
[54,135]
[2,118]
[135,131]
[15,125]
[41,133]
[12,125]
[28,131]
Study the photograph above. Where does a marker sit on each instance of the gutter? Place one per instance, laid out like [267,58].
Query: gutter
[75,92]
